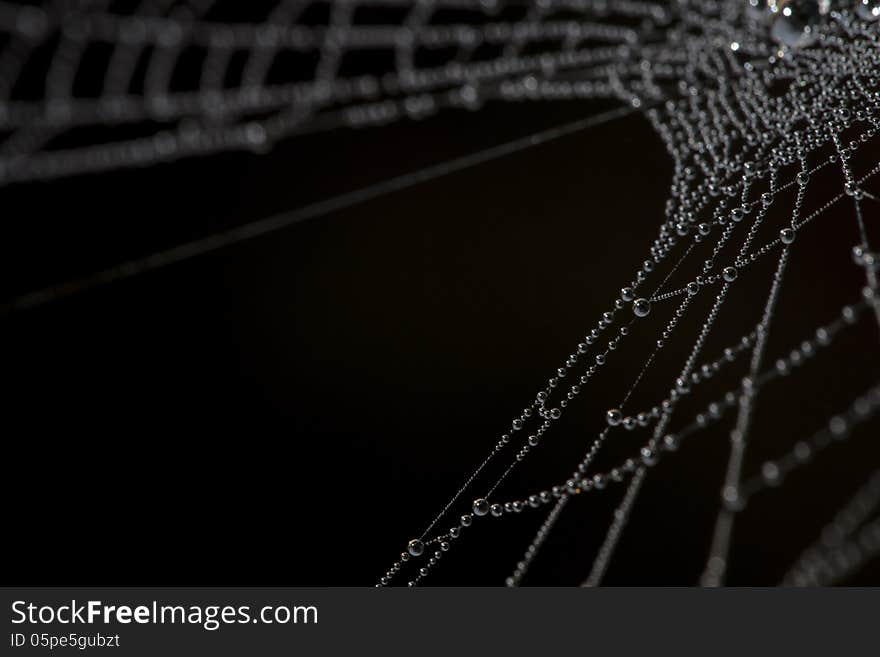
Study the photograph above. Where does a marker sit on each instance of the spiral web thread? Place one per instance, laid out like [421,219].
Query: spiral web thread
[88,87]
[171,80]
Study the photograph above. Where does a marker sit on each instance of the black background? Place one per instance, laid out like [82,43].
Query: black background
[294,409]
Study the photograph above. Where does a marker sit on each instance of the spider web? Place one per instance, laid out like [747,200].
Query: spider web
[167,80]
[751,106]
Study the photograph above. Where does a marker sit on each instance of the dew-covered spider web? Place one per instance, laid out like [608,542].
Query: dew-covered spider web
[754,102]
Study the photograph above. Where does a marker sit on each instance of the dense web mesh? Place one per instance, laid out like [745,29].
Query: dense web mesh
[98,85]
[752,100]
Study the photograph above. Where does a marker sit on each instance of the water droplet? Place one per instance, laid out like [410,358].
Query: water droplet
[613,417]
[641,307]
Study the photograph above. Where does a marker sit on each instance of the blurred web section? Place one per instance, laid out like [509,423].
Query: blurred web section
[847,543]
[92,86]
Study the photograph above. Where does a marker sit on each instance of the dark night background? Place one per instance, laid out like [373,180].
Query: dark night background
[293,409]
